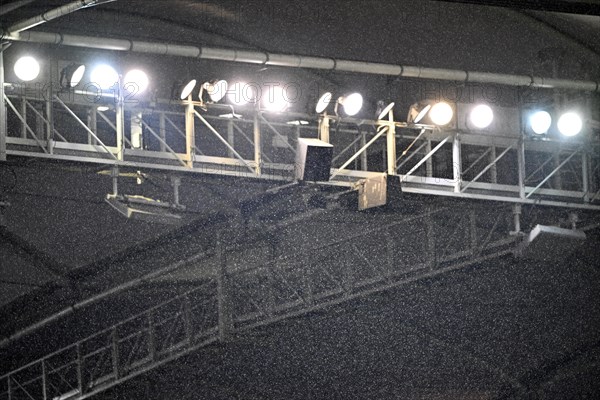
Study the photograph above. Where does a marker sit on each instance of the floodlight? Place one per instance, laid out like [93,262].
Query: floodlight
[324,102]
[352,103]
[27,68]
[136,79]
[417,112]
[240,94]
[482,116]
[104,76]
[276,100]
[103,108]
[430,112]
[441,114]
[540,122]
[71,75]
[386,111]
[186,90]
[570,124]
[216,90]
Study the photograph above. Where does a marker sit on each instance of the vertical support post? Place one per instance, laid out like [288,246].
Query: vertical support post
[114,173]
[120,122]
[115,353]
[324,128]
[137,130]
[40,124]
[457,163]
[521,166]
[44,380]
[230,138]
[585,175]
[176,183]
[2,115]
[92,121]
[364,162]
[79,369]
[226,325]
[517,211]
[493,169]
[49,111]
[24,115]
[190,133]
[557,178]
[429,162]
[9,387]
[162,131]
[391,146]
[257,145]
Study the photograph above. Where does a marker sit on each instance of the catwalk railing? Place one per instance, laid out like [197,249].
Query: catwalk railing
[185,137]
[234,297]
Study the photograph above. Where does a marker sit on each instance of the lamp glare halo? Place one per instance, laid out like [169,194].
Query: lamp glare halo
[441,114]
[136,81]
[570,124]
[104,76]
[352,104]
[275,101]
[240,94]
[27,68]
[482,116]
[540,122]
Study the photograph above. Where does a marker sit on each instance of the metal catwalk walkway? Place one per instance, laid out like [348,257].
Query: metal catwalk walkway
[181,137]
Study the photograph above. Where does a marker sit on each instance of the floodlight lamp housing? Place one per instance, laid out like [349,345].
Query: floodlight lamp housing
[351,104]
[182,89]
[432,112]
[324,102]
[417,112]
[71,75]
[216,90]
[539,123]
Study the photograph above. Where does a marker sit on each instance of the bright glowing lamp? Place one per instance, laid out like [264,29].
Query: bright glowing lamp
[240,94]
[482,116]
[275,101]
[540,122]
[27,68]
[441,114]
[570,124]
[136,81]
[352,103]
[71,75]
[104,76]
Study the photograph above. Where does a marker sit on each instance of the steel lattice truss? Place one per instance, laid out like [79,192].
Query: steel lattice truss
[236,298]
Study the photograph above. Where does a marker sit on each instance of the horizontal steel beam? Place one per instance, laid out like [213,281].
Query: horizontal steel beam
[298,61]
